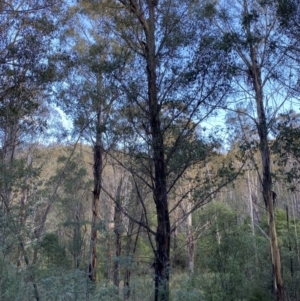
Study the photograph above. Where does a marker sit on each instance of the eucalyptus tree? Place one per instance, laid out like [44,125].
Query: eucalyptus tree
[250,30]
[88,95]
[72,207]
[26,33]
[173,77]
[286,125]
[288,12]
[286,144]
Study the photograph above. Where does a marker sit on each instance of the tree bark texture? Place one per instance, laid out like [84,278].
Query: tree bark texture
[118,234]
[162,236]
[268,194]
[130,251]
[127,272]
[190,246]
[162,252]
[96,200]
[77,240]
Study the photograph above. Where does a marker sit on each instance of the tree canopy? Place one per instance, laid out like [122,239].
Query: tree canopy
[144,197]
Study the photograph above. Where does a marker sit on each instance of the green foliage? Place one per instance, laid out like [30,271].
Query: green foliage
[189,290]
[227,261]
[107,293]
[287,11]
[209,10]
[9,280]
[102,72]
[58,283]
[252,16]
[178,254]
[54,252]
[286,148]
[258,294]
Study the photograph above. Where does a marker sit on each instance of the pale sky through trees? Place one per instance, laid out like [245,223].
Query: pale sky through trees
[150,150]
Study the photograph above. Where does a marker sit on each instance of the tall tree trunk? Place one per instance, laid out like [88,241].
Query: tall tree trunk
[290,245]
[268,195]
[127,271]
[254,74]
[162,235]
[162,253]
[218,234]
[96,200]
[23,206]
[7,155]
[250,202]
[254,198]
[130,254]
[118,234]
[31,274]
[175,260]
[77,240]
[190,241]
[250,197]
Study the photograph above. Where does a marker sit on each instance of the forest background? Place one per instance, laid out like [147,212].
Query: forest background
[139,199]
